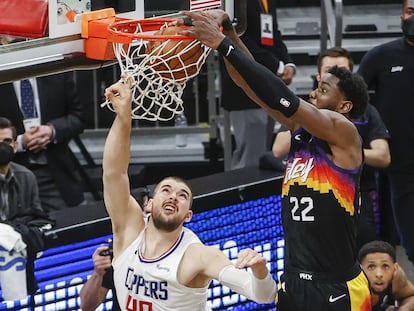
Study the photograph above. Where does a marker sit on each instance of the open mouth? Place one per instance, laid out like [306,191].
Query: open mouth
[378,286]
[169,207]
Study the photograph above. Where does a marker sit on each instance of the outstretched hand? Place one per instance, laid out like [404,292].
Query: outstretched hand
[250,258]
[205,27]
[120,95]
[222,18]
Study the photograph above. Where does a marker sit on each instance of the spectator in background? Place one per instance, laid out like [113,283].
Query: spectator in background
[22,220]
[94,291]
[251,127]
[375,137]
[388,281]
[47,114]
[388,69]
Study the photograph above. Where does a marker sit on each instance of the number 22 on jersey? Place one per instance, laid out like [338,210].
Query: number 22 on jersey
[302,209]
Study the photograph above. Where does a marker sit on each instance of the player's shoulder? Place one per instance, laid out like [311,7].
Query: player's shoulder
[384,48]
[202,251]
[197,248]
[194,255]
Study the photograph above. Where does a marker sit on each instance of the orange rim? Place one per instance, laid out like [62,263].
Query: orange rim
[124,31]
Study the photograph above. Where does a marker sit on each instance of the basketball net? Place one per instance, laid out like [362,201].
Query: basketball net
[157,87]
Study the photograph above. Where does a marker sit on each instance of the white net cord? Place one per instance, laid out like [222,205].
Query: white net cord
[159,78]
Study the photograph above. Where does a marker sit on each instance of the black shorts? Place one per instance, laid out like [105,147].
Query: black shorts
[307,292]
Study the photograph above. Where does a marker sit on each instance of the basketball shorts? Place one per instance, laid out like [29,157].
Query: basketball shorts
[305,291]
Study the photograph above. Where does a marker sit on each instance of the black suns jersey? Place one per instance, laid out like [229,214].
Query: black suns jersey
[319,208]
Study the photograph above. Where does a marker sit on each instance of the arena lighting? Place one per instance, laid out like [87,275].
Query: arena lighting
[61,271]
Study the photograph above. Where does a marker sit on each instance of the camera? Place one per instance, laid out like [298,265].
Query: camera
[109,251]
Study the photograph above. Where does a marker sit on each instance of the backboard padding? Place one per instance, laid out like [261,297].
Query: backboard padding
[24,18]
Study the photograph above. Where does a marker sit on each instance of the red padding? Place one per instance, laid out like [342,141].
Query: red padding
[27,18]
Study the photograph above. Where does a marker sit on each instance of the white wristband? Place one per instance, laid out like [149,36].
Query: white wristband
[246,284]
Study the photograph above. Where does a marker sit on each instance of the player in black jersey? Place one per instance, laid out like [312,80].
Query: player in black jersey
[388,69]
[375,138]
[390,288]
[320,193]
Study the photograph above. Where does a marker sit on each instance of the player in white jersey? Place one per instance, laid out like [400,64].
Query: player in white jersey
[161,265]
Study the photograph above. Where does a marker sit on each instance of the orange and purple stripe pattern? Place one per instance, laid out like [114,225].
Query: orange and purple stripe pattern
[316,173]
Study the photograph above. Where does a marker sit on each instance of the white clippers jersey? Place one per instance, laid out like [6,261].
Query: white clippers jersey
[151,284]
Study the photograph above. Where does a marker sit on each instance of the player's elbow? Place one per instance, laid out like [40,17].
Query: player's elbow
[384,160]
[279,151]
[268,295]
[387,160]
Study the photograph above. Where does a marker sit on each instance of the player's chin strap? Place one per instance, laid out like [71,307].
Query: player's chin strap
[246,284]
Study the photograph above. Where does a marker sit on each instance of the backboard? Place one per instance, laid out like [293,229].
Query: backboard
[64,15]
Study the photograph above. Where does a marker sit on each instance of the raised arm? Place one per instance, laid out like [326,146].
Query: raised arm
[206,28]
[126,215]
[269,92]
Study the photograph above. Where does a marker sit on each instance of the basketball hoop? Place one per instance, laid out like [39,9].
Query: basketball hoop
[159,63]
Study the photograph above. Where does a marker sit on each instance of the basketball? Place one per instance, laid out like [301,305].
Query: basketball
[174,59]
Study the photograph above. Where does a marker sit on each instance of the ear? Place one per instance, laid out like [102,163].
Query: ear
[148,206]
[345,107]
[396,268]
[188,216]
[318,77]
[15,146]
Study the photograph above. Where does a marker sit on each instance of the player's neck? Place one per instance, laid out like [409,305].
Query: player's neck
[158,242]
[374,299]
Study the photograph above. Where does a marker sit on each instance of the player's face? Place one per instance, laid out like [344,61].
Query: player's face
[171,205]
[407,21]
[327,95]
[408,10]
[327,63]
[379,269]
[6,135]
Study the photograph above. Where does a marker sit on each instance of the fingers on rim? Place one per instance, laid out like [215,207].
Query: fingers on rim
[187,21]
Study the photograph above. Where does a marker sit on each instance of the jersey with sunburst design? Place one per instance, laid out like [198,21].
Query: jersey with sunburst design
[319,208]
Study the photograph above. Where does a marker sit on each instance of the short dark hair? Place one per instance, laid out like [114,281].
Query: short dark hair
[377,247]
[335,51]
[354,88]
[6,124]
